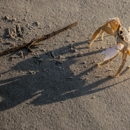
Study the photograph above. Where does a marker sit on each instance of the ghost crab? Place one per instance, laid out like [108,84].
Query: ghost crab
[122,36]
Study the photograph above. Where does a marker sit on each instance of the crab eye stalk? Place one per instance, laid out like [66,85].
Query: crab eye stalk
[121,32]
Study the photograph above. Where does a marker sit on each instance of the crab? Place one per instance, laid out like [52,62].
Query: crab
[122,37]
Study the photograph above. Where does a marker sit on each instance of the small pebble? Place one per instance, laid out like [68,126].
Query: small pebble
[21,53]
[93,97]
[97,76]
[32,72]
[66,41]
[14,19]
[6,17]
[84,62]
[61,57]
[109,69]
[85,66]
[75,50]
[36,23]
[24,19]
[43,50]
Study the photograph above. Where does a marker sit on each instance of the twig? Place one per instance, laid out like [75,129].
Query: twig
[32,43]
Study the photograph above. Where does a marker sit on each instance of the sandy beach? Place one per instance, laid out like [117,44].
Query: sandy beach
[57,87]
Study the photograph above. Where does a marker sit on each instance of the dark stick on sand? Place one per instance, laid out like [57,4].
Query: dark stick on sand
[32,43]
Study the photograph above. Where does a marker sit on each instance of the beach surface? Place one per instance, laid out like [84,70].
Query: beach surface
[57,86]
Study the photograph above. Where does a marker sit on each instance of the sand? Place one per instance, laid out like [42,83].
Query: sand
[57,87]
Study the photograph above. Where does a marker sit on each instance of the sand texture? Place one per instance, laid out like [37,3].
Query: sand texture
[57,86]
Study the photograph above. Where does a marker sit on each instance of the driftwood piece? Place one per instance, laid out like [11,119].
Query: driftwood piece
[33,42]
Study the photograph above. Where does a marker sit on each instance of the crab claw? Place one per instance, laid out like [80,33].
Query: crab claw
[112,51]
[111,26]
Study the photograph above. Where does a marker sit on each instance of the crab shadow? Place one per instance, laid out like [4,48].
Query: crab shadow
[53,81]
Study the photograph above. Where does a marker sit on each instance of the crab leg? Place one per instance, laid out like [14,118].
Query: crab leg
[106,61]
[95,35]
[102,34]
[104,28]
[122,64]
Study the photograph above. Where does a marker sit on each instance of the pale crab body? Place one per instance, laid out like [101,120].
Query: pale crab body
[122,36]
